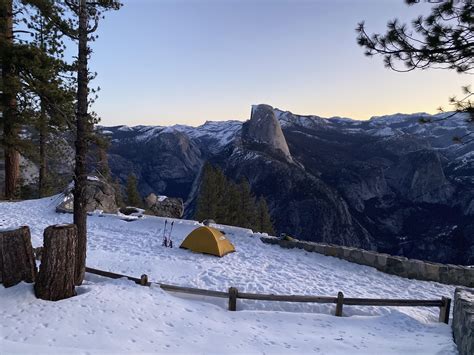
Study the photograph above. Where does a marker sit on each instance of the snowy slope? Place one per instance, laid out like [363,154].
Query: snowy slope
[119,316]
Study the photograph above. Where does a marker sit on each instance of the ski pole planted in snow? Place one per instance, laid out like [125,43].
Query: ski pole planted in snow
[170,242]
[165,241]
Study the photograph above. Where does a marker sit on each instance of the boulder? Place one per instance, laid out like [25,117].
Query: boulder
[100,195]
[208,222]
[164,206]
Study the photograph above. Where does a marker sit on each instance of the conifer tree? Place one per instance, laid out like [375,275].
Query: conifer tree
[206,202]
[221,186]
[264,223]
[133,196]
[233,197]
[247,214]
[27,76]
[9,88]
[79,21]
[47,83]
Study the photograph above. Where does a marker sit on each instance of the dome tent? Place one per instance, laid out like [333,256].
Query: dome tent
[208,240]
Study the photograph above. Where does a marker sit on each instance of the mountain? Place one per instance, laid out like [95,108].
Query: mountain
[389,183]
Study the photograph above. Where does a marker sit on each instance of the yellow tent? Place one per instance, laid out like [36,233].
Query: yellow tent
[208,240]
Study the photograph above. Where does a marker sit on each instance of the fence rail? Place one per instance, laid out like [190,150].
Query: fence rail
[233,294]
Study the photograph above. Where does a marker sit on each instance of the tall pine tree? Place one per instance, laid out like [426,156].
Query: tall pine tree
[133,196]
[206,203]
[264,222]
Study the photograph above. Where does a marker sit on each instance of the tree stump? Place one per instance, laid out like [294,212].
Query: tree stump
[17,262]
[55,279]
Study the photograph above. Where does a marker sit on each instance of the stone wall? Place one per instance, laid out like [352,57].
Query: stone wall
[395,265]
[463,320]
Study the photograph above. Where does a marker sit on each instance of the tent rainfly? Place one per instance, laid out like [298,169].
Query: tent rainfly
[208,240]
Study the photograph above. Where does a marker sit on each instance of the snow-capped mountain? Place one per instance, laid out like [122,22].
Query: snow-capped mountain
[390,183]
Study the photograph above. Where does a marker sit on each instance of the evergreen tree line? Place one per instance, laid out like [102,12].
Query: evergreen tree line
[227,202]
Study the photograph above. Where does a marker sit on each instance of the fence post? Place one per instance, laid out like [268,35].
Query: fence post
[340,301]
[144,280]
[233,293]
[444,310]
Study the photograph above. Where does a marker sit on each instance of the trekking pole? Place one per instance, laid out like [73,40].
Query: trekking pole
[170,243]
[165,242]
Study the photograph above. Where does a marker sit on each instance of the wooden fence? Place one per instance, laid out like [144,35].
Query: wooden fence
[233,294]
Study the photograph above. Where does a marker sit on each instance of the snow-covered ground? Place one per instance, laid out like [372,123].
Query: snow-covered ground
[117,316]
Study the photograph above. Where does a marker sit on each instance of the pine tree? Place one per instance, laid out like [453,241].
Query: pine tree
[29,77]
[264,223]
[118,193]
[80,25]
[247,214]
[221,186]
[232,206]
[206,203]
[10,88]
[46,77]
[133,196]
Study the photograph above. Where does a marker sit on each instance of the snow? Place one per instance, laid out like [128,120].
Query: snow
[162,198]
[119,316]
[125,129]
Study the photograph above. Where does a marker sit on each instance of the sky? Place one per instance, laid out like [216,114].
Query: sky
[164,62]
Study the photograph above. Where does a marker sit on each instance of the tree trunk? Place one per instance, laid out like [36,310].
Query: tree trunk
[56,277]
[17,262]
[80,213]
[10,124]
[43,131]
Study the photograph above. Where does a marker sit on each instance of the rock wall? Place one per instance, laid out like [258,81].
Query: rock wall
[395,265]
[463,320]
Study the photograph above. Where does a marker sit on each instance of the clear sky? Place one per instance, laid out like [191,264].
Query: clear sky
[162,62]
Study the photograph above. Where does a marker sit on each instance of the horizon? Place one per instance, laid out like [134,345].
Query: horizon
[100,124]
[188,62]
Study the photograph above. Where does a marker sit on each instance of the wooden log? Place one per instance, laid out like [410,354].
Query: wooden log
[233,294]
[17,262]
[55,279]
[287,298]
[392,302]
[339,304]
[444,310]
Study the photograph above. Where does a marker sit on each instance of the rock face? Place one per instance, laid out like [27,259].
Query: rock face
[263,131]
[163,206]
[162,159]
[99,196]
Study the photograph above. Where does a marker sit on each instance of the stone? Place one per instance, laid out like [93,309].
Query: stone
[331,250]
[319,248]
[381,262]
[396,265]
[99,194]
[368,258]
[355,256]
[163,206]
[415,269]
[463,320]
[208,222]
[431,271]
